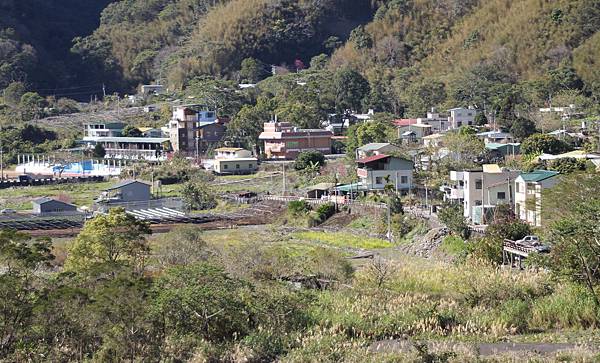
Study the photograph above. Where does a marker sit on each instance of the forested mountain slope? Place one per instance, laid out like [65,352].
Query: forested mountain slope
[36,37]
[52,43]
[177,39]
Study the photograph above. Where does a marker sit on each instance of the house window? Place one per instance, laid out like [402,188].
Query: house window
[379,180]
[237,166]
[477,202]
[478,184]
[292,144]
[517,187]
[404,179]
[459,124]
[225,166]
[501,195]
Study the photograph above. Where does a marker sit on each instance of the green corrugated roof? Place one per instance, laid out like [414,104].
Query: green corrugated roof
[538,175]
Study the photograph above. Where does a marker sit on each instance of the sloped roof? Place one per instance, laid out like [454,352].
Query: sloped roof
[372,158]
[322,186]
[44,200]
[538,175]
[125,183]
[374,146]
[433,136]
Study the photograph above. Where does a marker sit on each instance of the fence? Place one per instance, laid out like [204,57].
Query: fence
[344,202]
[4,184]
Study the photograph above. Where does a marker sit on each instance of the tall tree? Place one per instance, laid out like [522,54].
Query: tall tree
[114,238]
[350,90]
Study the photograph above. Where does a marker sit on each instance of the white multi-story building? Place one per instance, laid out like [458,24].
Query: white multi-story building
[481,189]
[461,117]
[437,122]
[528,194]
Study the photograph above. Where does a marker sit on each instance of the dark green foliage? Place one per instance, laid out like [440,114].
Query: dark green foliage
[202,300]
[198,195]
[309,159]
[27,139]
[452,216]
[298,207]
[505,225]
[522,128]
[131,131]
[543,143]
[481,119]
[567,165]
[380,129]
[321,214]
[99,151]
[350,90]
[252,71]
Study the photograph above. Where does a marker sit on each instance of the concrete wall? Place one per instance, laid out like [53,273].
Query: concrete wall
[135,192]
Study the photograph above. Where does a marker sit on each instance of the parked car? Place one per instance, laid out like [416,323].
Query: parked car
[527,241]
[534,243]
[7,211]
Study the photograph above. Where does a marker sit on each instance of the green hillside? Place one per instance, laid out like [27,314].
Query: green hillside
[36,37]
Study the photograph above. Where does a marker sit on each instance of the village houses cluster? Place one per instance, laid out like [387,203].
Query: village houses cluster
[196,131]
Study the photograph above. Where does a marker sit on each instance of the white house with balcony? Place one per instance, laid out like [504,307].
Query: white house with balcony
[480,190]
[528,194]
[103,129]
[377,171]
[118,147]
[438,123]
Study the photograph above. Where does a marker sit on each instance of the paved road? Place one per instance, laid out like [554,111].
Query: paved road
[483,349]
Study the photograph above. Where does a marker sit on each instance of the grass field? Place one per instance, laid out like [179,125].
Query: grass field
[340,239]
[80,194]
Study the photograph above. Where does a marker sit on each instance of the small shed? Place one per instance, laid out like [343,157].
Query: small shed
[42,206]
[319,190]
[130,191]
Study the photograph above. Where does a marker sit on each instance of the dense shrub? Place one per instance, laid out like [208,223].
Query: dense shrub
[298,207]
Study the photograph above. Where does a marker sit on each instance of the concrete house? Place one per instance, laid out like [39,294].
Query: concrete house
[232,153]
[376,171]
[191,125]
[45,206]
[107,129]
[128,191]
[481,190]
[376,148]
[528,194]
[461,117]
[284,141]
[495,137]
[235,166]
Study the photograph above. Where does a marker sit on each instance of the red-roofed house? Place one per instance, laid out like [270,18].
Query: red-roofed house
[378,170]
[405,122]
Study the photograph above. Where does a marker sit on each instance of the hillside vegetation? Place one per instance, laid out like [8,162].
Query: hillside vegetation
[35,39]
[393,43]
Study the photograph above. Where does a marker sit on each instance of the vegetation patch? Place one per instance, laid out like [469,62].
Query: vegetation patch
[340,239]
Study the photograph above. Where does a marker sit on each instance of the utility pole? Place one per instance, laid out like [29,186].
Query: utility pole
[389,223]
[103,90]
[284,186]
[1,156]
